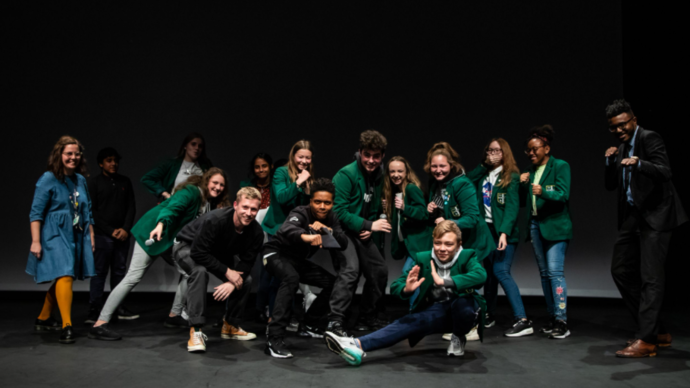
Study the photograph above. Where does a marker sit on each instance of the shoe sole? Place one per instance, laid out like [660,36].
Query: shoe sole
[309,334]
[456,354]
[273,354]
[492,324]
[196,349]
[98,337]
[291,328]
[334,346]
[238,337]
[523,333]
[561,336]
[46,328]
[646,355]
[128,317]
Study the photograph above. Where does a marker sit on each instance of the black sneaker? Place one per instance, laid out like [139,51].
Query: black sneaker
[294,325]
[560,330]
[47,325]
[548,328]
[520,328]
[337,328]
[124,313]
[94,312]
[275,347]
[176,322]
[103,333]
[307,331]
[489,321]
[67,336]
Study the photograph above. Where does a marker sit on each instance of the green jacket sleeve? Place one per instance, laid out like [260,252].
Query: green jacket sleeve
[473,277]
[283,190]
[466,198]
[477,174]
[177,206]
[561,191]
[512,207]
[153,179]
[415,207]
[344,185]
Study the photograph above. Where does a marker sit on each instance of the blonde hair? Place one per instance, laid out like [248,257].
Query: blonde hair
[292,166]
[445,149]
[410,178]
[248,193]
[447,226]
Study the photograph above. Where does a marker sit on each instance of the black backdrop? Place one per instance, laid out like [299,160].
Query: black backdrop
[257,78]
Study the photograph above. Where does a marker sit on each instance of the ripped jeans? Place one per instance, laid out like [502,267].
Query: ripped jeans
[550,257]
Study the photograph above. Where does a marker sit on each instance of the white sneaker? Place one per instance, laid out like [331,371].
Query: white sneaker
[345,347]
[308,300]
[457,346]
[197,341]
[447,336]
[473,335]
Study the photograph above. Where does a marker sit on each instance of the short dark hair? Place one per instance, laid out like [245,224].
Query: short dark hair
[372,140]
[322,184]
[106,153]
[618,107]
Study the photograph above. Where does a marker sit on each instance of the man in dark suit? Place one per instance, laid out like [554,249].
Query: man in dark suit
[648,211]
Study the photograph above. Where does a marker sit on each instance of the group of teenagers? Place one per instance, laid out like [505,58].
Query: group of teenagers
[455,240]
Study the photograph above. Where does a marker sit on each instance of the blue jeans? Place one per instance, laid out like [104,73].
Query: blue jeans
[457,316]
[409,263]
[550,257]
[498,265]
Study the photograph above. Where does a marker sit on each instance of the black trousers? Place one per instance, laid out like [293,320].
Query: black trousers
[359,258]
[197,295]
[110,254]
[291,272]
[638,271]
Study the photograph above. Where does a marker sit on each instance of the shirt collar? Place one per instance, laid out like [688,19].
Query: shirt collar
[632,139]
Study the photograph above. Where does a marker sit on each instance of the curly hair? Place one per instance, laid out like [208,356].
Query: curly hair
[618,107]
[545,133]
[445,149]
[372,140]
[222,201]
[322,184]
[55,159]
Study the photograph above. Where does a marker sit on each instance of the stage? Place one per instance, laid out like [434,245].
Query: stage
[151,355]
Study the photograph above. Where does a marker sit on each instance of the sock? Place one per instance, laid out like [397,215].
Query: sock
[49,304]
[63,294]
[359,345]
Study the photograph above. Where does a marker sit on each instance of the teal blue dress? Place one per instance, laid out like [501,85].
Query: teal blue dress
[66,248]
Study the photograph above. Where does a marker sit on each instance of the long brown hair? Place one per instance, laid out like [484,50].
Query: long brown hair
[410,178]
[292,166]
[445,149]
[202,159]
[223,200]
[509,164]
[55,159]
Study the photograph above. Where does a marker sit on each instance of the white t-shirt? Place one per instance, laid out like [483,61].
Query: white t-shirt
[487,190]
[187,169]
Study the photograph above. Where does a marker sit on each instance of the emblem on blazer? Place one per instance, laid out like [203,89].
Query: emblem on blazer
[455,212]
[550,188]
[501,198]
[294,219]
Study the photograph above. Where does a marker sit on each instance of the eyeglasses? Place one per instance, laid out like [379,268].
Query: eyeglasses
[493,151]
[72,154]
[615,127]
[533,149]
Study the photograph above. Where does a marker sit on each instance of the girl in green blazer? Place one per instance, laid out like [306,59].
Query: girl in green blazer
[546,188]
[155,233]
[191,160]
[405,206]
[497,182]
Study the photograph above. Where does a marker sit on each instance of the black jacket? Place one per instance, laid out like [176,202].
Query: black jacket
[652,191]
[112,203]
[288,239]
[215,242]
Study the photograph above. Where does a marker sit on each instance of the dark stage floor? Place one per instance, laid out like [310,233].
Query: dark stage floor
[151,355]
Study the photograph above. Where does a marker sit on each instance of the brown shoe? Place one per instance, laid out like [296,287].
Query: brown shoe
[638,349]
[663,340]
[231,332]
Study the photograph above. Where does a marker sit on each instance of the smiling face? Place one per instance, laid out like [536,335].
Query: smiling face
[303,159]
[623,126]
[261,169]
[321,204]
[439,167]
[216,185]
[397,172]
[245,211]
[538,152]
[110,165]
[371,159]
[446,246]
[193,149]
[71,157]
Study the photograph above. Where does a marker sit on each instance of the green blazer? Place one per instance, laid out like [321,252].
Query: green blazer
[285,196]
[414,225]
[175,212]
[162,178]
[461,208]
[467,274]
[553,205]
[505,202]
[246,183]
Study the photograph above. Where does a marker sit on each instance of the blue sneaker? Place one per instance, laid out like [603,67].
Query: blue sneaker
[345,347]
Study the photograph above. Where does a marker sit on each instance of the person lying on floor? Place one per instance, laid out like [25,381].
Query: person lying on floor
[447,278]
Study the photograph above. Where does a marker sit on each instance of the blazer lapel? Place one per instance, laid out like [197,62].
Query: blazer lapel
[547,171]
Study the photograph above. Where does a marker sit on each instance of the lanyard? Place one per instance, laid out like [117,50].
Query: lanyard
[74,200]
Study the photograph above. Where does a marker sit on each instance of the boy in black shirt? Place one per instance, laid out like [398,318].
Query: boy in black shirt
[304,232]
[209,244]
[113,207]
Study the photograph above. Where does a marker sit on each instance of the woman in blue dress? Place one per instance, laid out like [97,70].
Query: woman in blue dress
[61,233]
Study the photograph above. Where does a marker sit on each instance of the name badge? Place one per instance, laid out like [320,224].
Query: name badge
[455,212]
[550,188]
[501,198]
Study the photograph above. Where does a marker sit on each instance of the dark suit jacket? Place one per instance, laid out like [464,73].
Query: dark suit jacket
[652,191]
